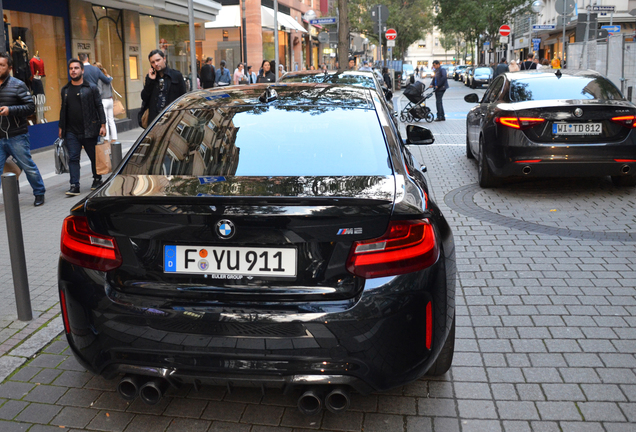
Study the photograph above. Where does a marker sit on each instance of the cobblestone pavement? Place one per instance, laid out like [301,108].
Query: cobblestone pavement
[546,323]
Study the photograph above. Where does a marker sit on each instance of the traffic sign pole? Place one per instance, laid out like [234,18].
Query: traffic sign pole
[380,30]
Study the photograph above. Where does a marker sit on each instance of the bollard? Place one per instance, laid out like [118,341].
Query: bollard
[115,154]
[16,246]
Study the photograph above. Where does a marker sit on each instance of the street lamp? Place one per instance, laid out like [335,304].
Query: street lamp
[311,15]
[537,6]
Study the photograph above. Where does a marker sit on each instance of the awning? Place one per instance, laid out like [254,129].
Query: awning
[204,10]
[230,16]
[267,20]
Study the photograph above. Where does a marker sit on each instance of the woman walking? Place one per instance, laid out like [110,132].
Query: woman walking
[106,90]
[266,75]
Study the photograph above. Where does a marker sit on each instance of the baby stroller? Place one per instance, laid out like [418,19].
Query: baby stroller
[416,109]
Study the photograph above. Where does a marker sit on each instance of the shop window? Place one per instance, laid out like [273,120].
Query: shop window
[38,48]
[226,35]
[422,45]
[133,65]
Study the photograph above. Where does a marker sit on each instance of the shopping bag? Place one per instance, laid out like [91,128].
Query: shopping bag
[118,106]
[60,155]
[102,158]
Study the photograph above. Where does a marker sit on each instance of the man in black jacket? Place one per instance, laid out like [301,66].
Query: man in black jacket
[16,104]
[162,86]
[440,82]
[82,120]
[208,74]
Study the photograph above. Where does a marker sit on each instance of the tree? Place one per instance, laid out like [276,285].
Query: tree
[411,19]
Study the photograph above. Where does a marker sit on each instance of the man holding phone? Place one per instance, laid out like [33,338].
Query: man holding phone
[162,86]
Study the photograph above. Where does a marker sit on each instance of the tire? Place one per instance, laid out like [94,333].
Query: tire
[469,152]
[445,357]
[472,85]
[430,117]
[623,181]
[486,178]
[403,118]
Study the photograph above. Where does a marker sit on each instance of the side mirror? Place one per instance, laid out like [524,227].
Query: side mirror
[472,98]
[419,135]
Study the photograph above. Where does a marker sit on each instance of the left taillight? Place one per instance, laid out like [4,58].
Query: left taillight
[407,246]
[519,122]
[82,246]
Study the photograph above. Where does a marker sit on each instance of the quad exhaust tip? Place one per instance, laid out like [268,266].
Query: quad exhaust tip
[152,391]
[128,387]
[625,169]
[310,402]
[526,169]
[338,400]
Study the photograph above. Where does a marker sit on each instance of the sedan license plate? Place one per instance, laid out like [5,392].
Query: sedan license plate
[247,261]
[577,128]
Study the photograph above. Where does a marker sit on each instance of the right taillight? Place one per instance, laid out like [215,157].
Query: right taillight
[628,121]
[407,246]
[86,248]
[519,122]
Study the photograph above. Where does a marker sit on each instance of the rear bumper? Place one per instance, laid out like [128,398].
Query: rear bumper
[568,169]
[374,342]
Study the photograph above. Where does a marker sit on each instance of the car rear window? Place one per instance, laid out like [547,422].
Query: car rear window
[263,141]
[482,71]
[549,86]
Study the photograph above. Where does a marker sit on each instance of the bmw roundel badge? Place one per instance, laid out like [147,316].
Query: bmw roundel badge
[225,229]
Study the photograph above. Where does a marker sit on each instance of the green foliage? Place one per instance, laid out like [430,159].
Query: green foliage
[412,19]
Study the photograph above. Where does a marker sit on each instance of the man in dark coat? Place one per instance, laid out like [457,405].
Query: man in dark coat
[502,67]
[440,83]
[92,74]
[529,64]
[162,85]
[208,74]
[16,104]
[82,120]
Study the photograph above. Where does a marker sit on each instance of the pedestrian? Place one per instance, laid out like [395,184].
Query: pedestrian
[238,74]
[162,85]
[16,104]
[365,67]
[82,121]
[417,71]
[556,63]
[106,92]
[251,75]
[266,75]
[387,78]
[207,73]
[529,64]
[513,66]
[502,67]
[281,70]
[440,83]
[352,63]
[545,64]
[222,77]
[92,74]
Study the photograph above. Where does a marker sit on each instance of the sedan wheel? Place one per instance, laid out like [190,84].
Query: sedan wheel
[486,178]
[445,358]
[469,152]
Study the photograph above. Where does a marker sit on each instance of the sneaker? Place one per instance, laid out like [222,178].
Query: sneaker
[39,200]
[96,184]
[74,190]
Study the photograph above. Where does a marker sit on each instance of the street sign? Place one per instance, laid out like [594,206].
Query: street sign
[611,29]
[504,30]
[536,43]
[323,21]
[390,34]
[486,45]
[503,39]
[379,11]
[537,27]
[604,8]
[323,37]
[569,6]
[390,43]
[382,29]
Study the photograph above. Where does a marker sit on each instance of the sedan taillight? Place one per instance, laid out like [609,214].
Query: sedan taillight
[407,246]
[519,122]
[85,248]
[628,121]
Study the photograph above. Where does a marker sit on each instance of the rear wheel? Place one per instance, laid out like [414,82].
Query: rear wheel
[430,117]
[445,358]
[403,118]
[486,177]
[472,84]
[621,181]
[469,152]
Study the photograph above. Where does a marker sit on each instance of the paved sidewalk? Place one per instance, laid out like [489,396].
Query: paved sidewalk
[546,322]
[41,230]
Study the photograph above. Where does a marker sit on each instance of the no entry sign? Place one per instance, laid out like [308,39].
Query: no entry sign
[504,30]
[390,34]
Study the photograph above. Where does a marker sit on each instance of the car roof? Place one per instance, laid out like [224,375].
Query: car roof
[543,72]
[293,94]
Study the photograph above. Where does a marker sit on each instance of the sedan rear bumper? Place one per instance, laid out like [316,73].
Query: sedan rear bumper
[374,342]
[568,169]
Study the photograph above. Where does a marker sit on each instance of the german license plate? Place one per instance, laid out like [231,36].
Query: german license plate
[247,261]
[577,128]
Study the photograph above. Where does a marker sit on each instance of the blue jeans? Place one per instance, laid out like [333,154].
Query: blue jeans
[20,148]
[75,145]
[439,94]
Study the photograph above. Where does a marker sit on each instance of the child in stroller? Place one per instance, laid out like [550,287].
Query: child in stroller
[416,109]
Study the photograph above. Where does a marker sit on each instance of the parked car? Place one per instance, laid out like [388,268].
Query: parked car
[544,123]
[407,71]
[450,69]
[276,235]
[480,76]
[427,72]
[467,75]
[458,71]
